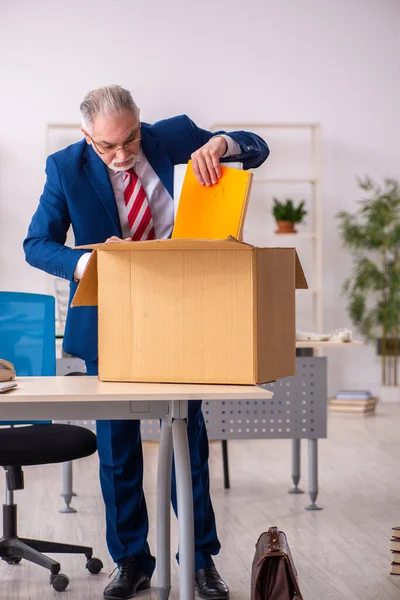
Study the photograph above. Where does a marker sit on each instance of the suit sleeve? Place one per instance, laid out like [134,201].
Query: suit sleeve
[182,137]
[254,150]
[44,245]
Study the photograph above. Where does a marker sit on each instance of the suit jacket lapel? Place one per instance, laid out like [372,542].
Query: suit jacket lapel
[158,158]
[97,173]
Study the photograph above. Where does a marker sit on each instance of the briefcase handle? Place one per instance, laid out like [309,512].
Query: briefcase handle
[273,539]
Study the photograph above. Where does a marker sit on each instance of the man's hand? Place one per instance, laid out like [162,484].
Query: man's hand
[114,238]
[205,160]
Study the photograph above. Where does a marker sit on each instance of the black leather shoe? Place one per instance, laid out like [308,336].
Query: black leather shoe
[210,585]
[127,582]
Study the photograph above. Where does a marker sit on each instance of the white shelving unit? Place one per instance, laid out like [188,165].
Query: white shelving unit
[293,170]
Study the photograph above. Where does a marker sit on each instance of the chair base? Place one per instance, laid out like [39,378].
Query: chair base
[12,550]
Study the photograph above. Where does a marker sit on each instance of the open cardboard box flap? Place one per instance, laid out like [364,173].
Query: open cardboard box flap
[86,293]
[170,244]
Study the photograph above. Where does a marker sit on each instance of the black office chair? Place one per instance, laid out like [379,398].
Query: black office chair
[39,445]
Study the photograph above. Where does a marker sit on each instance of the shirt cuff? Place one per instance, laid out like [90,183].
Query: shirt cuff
[81,266]
[233,147]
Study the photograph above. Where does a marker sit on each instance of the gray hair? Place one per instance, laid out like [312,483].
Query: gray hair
[111,99]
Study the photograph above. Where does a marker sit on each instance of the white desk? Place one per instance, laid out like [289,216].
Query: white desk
[64,398]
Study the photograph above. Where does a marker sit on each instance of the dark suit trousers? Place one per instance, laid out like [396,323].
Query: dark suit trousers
[121,478]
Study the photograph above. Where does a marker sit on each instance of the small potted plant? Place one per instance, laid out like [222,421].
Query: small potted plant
[287,215]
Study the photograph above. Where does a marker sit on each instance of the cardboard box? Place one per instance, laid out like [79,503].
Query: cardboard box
[193,311]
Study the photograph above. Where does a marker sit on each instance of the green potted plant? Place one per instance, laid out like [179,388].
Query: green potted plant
[372,234]
[287,215]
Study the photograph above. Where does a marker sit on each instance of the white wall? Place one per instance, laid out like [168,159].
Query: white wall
[334,62]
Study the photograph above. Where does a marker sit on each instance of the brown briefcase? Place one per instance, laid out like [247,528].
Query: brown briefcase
[274,576]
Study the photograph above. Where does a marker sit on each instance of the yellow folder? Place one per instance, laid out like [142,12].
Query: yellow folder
[215,212]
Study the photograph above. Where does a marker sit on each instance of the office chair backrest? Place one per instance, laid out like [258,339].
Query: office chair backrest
[27,333]
[27,336]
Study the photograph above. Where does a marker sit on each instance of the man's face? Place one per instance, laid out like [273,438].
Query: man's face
[116,139]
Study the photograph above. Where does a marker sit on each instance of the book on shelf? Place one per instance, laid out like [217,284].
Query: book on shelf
[396,557]
[348,410]
[213,212]
[352,406]
[353,395]
[395,544]
[351,402]
[395,568]
[396,532]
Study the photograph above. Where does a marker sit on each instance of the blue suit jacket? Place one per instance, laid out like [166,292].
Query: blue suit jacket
[78,192]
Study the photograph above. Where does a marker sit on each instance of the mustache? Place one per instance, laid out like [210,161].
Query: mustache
[116,163]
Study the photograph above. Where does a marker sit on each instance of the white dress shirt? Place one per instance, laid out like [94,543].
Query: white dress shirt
[160,202]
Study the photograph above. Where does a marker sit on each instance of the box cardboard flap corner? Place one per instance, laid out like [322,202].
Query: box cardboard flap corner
[193,311]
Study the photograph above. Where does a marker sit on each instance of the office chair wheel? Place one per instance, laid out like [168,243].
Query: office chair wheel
[94,565]
[13,560]
[59,582]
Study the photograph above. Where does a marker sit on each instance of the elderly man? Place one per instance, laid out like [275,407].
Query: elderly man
[117,183]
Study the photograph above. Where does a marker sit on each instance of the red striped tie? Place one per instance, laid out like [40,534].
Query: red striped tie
[139,214]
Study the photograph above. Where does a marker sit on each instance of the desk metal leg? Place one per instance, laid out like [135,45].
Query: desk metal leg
[225,462]
[67,492]
[313,474]
[296,469]
[164,511]
[185,509]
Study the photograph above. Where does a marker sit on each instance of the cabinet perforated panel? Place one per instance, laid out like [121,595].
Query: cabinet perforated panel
[297,410]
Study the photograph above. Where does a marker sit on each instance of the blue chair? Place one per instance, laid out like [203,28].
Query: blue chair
[27,335]
[27,326]
[27,339]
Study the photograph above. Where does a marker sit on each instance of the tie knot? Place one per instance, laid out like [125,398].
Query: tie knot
[129,174]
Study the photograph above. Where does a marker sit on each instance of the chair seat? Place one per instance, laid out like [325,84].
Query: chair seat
[44,444]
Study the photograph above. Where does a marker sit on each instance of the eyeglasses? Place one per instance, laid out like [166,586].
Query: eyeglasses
[112,148]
